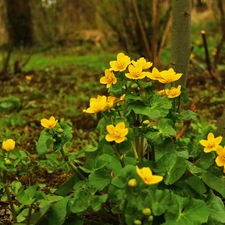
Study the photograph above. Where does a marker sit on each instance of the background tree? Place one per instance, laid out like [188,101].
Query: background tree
[19,22]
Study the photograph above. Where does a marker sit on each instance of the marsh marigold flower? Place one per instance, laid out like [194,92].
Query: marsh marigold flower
[161,93]
[116,133]
[135,72]
[108,79]
[220,159]
[8,145]
[121,63]
[173,92]
[99,104]
[168,76]
[49,123]
[155,74]
[212,143]
[142,62]
[146,175]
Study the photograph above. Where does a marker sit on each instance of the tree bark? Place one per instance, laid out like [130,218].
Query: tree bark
[19,22]
[181,37]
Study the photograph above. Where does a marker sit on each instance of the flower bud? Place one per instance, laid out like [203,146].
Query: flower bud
[146,211]
[59,135]
[132,183]
[60,130]
[150,218]
[137,222]
[146,122]
[7,161]
[134,86]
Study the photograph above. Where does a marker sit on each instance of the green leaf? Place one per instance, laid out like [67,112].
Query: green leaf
[116,89]
[184,211]
[207,159]
[44,141]
[216,207]
[100,178]
[160,200]
[66,136]
[82,201]
[197,184]
[97,201]
[172,167]
[97,163]
[117,187]
[159,107]
[67,187]
[193,169]
[26,197]
[214,182]
[38,216]
[165,127]
[58,212]
[187,115]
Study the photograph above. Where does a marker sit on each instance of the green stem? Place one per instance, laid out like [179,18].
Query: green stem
[152,153]
[4,181]
[134,149]
[106,118]
[29,215]
[75,168]
[119,156]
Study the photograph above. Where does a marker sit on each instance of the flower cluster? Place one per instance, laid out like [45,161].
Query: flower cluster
[213,144]
[136,71]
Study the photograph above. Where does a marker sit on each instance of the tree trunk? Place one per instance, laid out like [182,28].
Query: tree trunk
[19,22]
[3,32]
[181,37]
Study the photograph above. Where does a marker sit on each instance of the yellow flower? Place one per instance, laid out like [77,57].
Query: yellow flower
[220,159]
[132,183]
[146,175]
[100,104]
[212,143]
[155,74]
[28,77]
[173,92]
[49,123]
[168,76]
[142,62]
[8,145]
[161,93]
[121,64]
[136,72]
[108,79]
[214,51]
[116,133]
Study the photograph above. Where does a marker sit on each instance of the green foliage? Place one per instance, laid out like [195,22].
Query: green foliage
[140,172]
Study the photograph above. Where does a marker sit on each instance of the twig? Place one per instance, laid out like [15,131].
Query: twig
[207,58]
[143,33]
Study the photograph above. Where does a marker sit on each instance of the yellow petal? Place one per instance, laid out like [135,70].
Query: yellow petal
[154,180]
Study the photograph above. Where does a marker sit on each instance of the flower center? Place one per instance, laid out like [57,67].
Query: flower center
[211,145]
[120,65]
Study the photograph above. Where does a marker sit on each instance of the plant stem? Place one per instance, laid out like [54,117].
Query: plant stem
[119,156]
[134,149]
[75,168]
[29,215]
[4,181]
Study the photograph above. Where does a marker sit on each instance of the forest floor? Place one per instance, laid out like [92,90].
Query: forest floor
[61,86]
